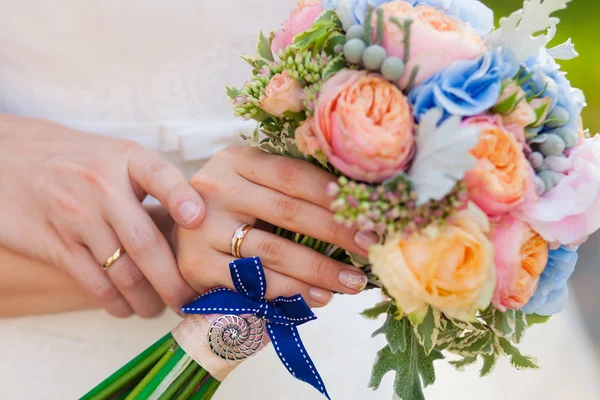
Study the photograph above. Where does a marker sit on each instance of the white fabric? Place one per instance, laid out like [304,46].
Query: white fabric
[155,71]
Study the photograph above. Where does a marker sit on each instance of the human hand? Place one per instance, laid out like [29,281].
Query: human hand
[244,185]
[72,199]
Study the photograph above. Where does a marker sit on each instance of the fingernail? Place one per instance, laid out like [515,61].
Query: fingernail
[353,280]
[320,295]
[189,211]
[364,240]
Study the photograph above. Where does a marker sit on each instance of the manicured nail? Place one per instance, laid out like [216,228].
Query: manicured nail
[353,280]
[189,211]
[365,240]
[320,295]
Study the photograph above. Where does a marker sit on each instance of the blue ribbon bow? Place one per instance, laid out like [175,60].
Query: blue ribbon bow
[282,315]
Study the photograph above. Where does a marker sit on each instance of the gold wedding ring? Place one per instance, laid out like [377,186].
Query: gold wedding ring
[113,259]
[238,238]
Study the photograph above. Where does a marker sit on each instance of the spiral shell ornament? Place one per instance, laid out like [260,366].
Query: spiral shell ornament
[235,338]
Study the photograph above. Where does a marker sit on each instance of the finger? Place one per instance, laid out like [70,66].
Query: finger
[96,283]
[300,216]
[150,251]
[213,271]
[297,261]
[296,178]
[165,182]
[126,276]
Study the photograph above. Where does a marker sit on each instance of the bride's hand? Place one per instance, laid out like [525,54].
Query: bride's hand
[71,200]
[244,185]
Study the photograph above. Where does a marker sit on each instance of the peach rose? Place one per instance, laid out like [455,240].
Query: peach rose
[301,19]
[364,126]
[449,267]
[437,39]
[502,177]
[521,257]
[305,138]
[283,93]
[523,114]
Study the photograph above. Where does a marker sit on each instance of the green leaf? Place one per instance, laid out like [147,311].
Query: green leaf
[489,362]
[427,331]
[517,360]
[520,326]
[263,47]
[534,319]
[394,330]
[333,40]
[375,312]
[334,67]
[507,105]
[473,344]
[503,323]
[414,369]
[255,62]
[329,16]
[464,362]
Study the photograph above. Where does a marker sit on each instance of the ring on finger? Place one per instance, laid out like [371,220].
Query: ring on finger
[113,259]
[238,238]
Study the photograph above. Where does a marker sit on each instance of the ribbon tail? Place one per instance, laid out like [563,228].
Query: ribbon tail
[290,350]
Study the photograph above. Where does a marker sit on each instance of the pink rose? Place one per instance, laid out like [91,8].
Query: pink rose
[520,258]
[306,139]
[503,177]
[364,125]
[283,93]
[437,40]
[570,212]
[301,19]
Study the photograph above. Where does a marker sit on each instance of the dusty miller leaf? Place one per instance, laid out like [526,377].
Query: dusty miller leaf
[375,312]
[394,330]
[443,157]
[516,32]
[414,369]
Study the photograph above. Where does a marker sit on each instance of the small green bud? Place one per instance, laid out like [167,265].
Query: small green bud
[392,68]
[355,32]
[373,57]
[353,50]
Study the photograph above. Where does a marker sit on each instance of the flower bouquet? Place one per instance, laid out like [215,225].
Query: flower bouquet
[462,147]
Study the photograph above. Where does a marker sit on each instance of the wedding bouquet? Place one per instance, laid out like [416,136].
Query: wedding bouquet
[462,147]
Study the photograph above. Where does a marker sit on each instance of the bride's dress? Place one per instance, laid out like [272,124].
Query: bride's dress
[155,71]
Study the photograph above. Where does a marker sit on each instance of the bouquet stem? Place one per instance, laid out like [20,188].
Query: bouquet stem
[162,372]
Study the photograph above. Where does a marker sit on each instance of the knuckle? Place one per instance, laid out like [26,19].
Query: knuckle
[131,278]
[335,229]
[158,166]
[152,312]
[142,240]
[321,266]
[273,250]
[173,294]
[288,173]
[105,292]
[288,207]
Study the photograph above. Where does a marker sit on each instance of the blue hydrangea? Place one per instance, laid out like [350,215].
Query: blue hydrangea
[552,292]
[467,87]
[549,79]
[473,12]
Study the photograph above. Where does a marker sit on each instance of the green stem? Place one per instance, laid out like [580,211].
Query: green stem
[369,26]
[305,240]
[193,384]
[297,238]
[132,370]
[157,367]
[179,382]
[311,243]
[207,390]
[147,391]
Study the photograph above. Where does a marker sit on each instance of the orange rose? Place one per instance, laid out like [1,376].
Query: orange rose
[521,256]
[503,176]
[449,267]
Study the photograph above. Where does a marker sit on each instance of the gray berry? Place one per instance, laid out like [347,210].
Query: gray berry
[569,136]
[536,159]
[392,68]
[373,57]
[353,50]
[557,117]
[539,185]
[553,146]
[550,178]
[355,32]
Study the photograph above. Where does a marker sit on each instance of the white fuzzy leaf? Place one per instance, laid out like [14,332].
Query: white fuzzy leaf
[516,32]
[442,155]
